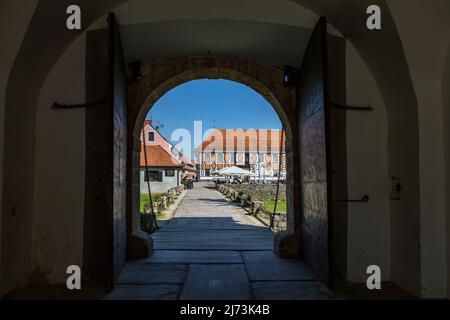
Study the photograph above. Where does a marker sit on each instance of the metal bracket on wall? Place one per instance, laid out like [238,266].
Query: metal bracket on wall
[291,76]
[365,198]
[353,108]
[57,105]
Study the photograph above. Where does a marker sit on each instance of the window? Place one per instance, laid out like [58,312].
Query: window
[207,157]
[261,157]
[275,157]
[153,175]
[207,172]
[151,136]
[220,157]
[170,173]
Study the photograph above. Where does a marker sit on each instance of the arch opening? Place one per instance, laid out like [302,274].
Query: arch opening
[141,105]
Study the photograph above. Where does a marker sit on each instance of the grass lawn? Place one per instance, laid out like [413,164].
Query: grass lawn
[145,199]
[281,205]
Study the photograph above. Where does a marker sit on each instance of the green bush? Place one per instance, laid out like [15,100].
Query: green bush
[147,221]
[270,204]
[145,199]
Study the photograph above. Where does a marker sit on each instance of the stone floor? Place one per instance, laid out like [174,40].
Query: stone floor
[211,249]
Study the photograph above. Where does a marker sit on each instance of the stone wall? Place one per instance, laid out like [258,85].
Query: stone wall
[241,193]
[260,192]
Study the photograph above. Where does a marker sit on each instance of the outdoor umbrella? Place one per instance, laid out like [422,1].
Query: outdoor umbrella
[217,172]
[235,171]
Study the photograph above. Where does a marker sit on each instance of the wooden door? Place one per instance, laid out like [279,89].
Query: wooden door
[313,120]
[118,146]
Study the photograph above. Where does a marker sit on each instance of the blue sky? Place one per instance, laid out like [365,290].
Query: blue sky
[217,103]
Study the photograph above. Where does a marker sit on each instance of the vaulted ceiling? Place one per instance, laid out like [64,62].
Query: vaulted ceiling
[276,33]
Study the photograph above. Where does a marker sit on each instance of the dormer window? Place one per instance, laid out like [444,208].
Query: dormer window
[151,136]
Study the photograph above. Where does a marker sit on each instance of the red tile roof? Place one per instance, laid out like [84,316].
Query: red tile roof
[184,159]
[158,157]
[240,139]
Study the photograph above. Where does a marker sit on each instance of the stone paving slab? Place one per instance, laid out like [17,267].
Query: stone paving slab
[147,292]
[289,290]
[212,250]
[213,240]
[208,226]
[143,274]
[236,245]
[189,256]
[216,282]
[266,266]
[219,235]
[222,233]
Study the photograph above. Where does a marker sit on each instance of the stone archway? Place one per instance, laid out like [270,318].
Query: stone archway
[161,75]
